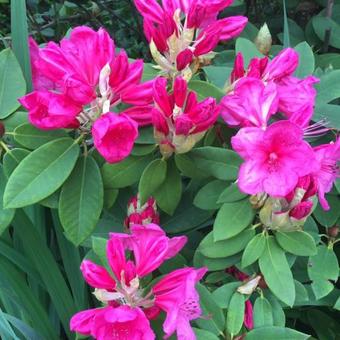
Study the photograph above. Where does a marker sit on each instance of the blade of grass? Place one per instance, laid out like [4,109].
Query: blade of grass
[286,39]
[19,32]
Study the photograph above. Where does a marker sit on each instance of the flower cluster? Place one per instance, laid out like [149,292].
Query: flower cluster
[275,121]
[183,33]
[78,84]
[179,120]
[127,305]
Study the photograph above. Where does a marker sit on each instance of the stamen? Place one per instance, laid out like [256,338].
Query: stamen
[317,129]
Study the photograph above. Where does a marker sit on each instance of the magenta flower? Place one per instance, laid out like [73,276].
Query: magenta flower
[127,307]
[179,119]
[274,158]
[251,103]
[328,158]
[181,31]
[176,295]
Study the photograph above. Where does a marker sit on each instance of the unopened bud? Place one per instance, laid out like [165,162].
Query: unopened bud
[262,283]
[263,41]
[333,231]
[250,286]
[2,129]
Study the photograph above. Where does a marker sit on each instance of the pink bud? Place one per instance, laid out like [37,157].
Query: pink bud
[184,59]
[248,315]
[301,210]
[232,26]
[238,71]
[180,91]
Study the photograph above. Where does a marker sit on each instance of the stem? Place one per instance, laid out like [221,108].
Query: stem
[329,11]
[4,146]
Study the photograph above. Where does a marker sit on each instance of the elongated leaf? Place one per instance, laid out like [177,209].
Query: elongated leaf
[232,218]
[169,194]
[306,60]
[253,250]
[41,173]
[263,315]
[204,90]
[235,313]
[223,294]
[6,215]
[328,89]
[12,159]
[207,196]
[201,334]
[125,173]
[227,247]
[43,260]
[215,323]
[152,178]
[81,200]
[286,40]
[27,331]
[30,137]
[19,32]
[231,194]
[296,242]
[277,333]
[12,83]
[248,50]
[6,331]
[277,274]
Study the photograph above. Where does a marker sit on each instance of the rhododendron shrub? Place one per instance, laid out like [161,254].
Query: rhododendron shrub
[194,197]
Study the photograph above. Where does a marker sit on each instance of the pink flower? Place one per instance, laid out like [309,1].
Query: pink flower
[274,158]
[239,108]
[141,215]
[296,99]
[48,110]
[182,30]
[119,323]
[328,157]
[175,294]
[114,136]
[179,119]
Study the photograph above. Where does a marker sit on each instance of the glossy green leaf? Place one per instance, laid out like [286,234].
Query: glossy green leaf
[30,137]
[202,334]
[227,247]
[231,194]
[277,274]
[263,315]
[296,242]
[207,196]
[223,294]
[248,50]
[277,333]
[41,173]
[81,200]
[328,112]
[306,60]
[152,178]
[328,88]
[169,194]
[232,218]
[328,218]
[205,90]
[321,24]
[220,163]
[110,196]
[186,164]
[12,83]
[218,75]
[12,159]
[6,215]
[215,263]
[253,250]
[235,313]
[124,173]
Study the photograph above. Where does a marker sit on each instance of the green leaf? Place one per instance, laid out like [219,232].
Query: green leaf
[279,317]
[205,90]
[125,173]
[81,200]
[296,242]
[186,164]
[328,59]
[328,112]
[231,194]
[99,245]
[218,75]
[232,218]
[169,194]
[41,173]
[337,304]
[12,159]
[201,334]
[301,294]
[152,178]
[207,196]
[30,137]
[277,333]
[110,196]
[286,40]
[217,263]
[323,267]
[223,294]
[220,163]
[225,248]
[235,313]
[248,50]
[321,24]
[149,72]
[12,83]
[263,315]
[253,250]
[277,274]
[6,215]
[328,88]
[19,33]
[306,60]
[328,218]
[216,321]
[174,263]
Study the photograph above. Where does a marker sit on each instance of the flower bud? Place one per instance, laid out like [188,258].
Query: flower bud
[263,40]
[2,129]
[333,231]
[184,59]
[145,214]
